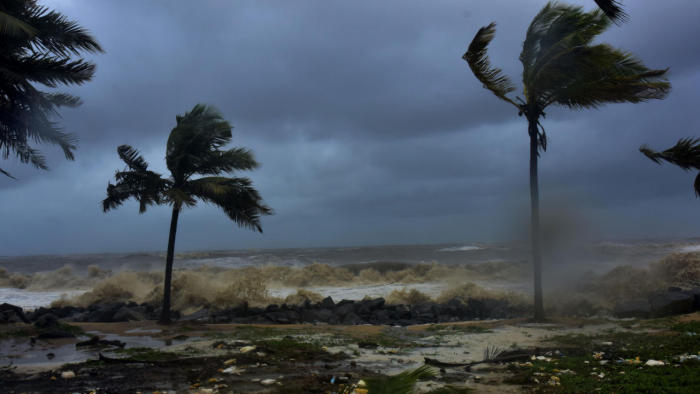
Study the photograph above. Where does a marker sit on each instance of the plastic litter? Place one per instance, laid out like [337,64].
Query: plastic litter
[67,374]
[246,349]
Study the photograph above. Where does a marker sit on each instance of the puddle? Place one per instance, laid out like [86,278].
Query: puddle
[52,353]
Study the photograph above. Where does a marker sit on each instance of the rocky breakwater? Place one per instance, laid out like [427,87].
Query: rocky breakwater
[673,301]
[345,312]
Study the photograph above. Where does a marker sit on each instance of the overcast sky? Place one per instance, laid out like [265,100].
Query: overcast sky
[369,126]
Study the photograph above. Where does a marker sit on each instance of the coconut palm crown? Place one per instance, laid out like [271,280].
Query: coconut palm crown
[685,154]
[562,66]
[36,46]
[193,148]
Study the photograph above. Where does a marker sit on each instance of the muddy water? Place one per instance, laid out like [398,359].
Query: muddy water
[51,353]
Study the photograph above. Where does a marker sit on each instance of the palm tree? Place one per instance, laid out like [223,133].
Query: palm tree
[194,147]
[685,154]
[36,45]
[561,66]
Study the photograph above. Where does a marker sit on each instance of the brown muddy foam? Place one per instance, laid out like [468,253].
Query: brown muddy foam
[225,287]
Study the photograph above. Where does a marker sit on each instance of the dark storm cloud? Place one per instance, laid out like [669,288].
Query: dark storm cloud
[370,127]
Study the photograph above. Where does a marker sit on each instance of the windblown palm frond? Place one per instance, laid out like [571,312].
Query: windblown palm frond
[235,196]
[560,66]
[685,154]
[196,140]
[36,45]
[136,181]
[612,10]
[477,58]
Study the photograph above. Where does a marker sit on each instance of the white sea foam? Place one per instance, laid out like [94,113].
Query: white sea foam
[33,299]
[690,248]
[459,249]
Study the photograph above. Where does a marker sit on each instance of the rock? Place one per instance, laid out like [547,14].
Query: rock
[343,308]
[96,341]
[316,315]
[351,319]
[327,303]
[12,314]
[46,321]
[654,363]
[283,317]
[635,308]
[201,315]
[365,307]
[127,314]
[671,303]
[67,374]
[55,334]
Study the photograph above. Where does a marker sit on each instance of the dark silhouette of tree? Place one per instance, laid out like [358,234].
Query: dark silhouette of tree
[561,66]
[36,46]
[194,147]
[685,154]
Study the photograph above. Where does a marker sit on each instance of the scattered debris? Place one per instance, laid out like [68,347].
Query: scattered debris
[67,374]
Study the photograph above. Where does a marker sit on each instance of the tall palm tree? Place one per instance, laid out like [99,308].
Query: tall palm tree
[561,66]
[36,45]
[194,147]
[685,154]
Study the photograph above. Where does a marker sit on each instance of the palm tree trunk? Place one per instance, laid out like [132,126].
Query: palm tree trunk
[165,312]
[535,219]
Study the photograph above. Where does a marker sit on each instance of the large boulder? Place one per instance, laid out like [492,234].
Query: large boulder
[47,321]
[126,313]
[12,314]
[640,308]
[671,303]
[317,316]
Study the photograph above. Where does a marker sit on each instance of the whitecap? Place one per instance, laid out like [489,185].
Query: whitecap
[690,248]
[459,249]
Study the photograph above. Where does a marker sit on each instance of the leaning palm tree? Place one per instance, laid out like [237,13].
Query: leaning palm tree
[561,66]
[36,45]
[194,147]
[685,154]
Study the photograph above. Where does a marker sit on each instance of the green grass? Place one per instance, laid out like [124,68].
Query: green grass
[619,377]
[147,354]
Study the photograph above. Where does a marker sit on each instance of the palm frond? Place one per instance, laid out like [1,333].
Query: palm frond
[685,154]
[137,182]
[37,45]
[197,133]
[402,383]
[588,77]
[555,32]
[15,27]
[132,158]
[477,58]
[216,162]
[613,10]
[7,174]
[235,196]
[51,70]
[56,33]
